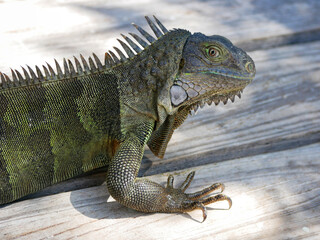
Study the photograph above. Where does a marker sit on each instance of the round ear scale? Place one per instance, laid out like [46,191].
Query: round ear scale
[178,95]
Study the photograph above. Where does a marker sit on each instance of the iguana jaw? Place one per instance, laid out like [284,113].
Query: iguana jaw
[196,89]
[214,96]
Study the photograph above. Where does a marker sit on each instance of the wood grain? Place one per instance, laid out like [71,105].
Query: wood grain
[264,147]
[275,196]
[37,31]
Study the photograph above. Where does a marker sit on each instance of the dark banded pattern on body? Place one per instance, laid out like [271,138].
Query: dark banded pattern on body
[69,123]
[53,131]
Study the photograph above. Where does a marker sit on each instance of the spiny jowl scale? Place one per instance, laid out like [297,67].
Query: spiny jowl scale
[194,91]
[88,66]
[216,99]
[57,124]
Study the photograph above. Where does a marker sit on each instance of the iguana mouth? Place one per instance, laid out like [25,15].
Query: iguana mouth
[216,99]
[194,94]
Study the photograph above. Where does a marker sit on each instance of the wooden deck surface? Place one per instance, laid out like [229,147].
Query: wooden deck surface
[265,147]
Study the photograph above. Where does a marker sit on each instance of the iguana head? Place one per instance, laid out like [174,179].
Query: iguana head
[212,69]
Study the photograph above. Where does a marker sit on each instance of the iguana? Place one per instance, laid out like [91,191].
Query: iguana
[55,125]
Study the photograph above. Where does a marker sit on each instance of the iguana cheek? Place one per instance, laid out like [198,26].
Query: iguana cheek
[178,95]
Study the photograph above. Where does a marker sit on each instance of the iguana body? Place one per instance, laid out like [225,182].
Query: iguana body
[57,125]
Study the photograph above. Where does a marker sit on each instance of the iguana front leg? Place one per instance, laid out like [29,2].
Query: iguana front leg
[145,195]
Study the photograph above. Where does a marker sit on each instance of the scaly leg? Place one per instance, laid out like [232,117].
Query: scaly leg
[145,195]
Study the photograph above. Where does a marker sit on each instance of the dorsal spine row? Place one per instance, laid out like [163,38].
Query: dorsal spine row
[88,67]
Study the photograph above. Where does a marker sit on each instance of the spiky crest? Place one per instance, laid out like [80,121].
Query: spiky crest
[33,77]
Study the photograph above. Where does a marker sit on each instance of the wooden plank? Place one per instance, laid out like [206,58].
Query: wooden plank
[34,32]
[275,196]
[274,128]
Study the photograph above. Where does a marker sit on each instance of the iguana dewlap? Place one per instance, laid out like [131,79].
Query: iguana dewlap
[55,125]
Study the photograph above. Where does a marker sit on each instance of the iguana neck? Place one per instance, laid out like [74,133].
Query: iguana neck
[149,75]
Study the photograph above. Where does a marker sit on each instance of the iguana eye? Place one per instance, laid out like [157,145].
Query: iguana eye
[213,52]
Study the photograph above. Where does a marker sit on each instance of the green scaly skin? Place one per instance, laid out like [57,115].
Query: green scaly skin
[60,125]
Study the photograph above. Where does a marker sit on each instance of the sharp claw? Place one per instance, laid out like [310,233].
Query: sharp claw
[222,187]
[217,198]
[230,202]
[204,211]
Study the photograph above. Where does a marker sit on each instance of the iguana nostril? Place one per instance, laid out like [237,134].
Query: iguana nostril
[250,67]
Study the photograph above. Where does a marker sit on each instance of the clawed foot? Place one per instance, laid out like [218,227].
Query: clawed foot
[178,201]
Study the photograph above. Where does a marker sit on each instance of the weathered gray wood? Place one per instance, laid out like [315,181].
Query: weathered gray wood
[34,32]
[275,196]
[274,128]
